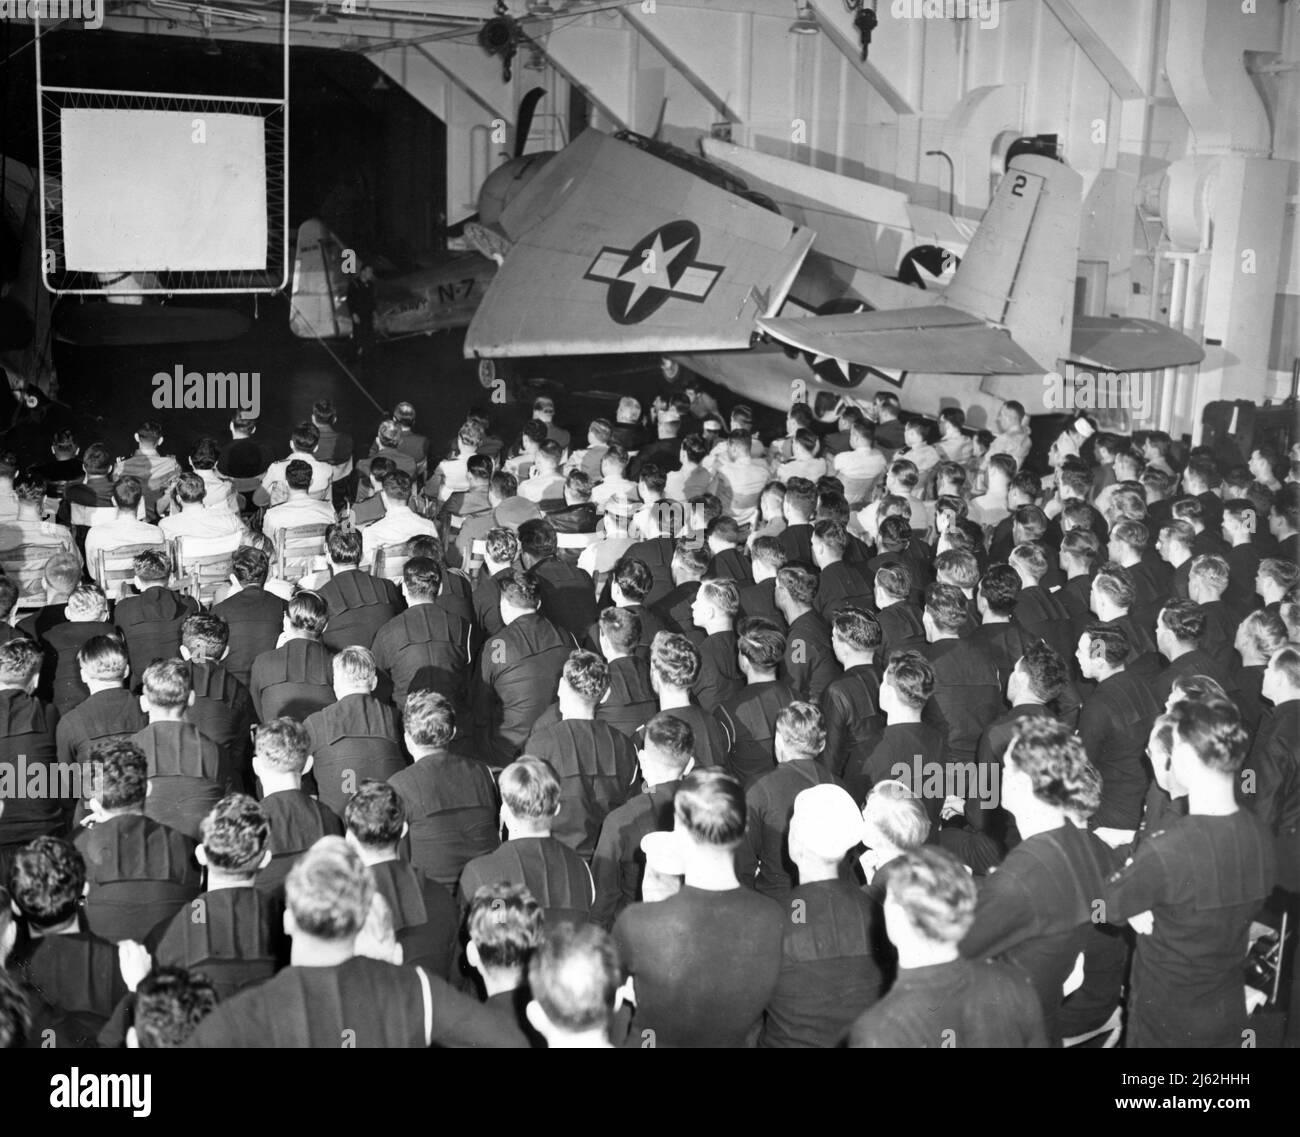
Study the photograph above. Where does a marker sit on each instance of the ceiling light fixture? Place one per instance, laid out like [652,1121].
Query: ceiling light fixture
[805,23]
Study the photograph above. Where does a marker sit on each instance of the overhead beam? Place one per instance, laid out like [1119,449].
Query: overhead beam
[895,98]
[654,39]
[1122,81]
[570,49]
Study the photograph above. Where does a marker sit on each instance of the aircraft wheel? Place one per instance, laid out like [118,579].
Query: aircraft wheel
[670,369]
[488,372]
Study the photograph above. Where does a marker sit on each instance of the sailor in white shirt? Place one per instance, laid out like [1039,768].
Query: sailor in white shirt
[189,518]
[861,466]
[399,523]
[126,528]
[303,443]
[300,509]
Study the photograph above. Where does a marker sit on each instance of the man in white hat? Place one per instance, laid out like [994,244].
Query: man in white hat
[829,974]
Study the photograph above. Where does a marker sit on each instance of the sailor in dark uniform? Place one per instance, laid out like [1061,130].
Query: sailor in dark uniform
[27,738]
[714,612]
[901,628]
[231,932]
[1079,552]
[759,598]
[1192,891]
[798,507]
[594,762]
[723,538]
[425,918]
[1112,604]
[851,704]
[549,868]
[355,738]
[809,665]
[505,927]
[328,996]
[1180,633]
[150,622]
[1038,610]
[1240,523]
[281,755]
[940,999]
[840,584]
[87,617]
[749,717]
[426,642]
[631,700]
[674,667]
[567,592]
[359,602]
[451,803]
[1114,724]
[763,856]
[222,707]
[498,562]
[254,616]
[140,872]
[575,977]
[673,612]
[1207,582]
[829,973]
[629,585]
[70,976]
[519,671]
[618,865]
[295,679]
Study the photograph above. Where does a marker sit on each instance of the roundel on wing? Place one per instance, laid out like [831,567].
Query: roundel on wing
[838,372]
[659,267]
[925,265]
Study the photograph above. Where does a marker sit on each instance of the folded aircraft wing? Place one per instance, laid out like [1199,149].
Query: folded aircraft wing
[1113,343]
[936,339]
[617,250]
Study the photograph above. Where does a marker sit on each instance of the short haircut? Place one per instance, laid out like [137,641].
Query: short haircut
[799,581]
[429,718]
[305,436]
[710,807]
[502,545]
[895,581]
[422,578]
[329,890]
[307,612]
[723,595]
[896,813]
[283,745]
[29,486]
[169,1003]
[353,665]
[1287,661]
[205,637]
[833,535]
[858,628]
[769,551]
[1184,619]
[946,606]
[97,459]
[1026,482]
[121,774]
[87,601]
[1265,630]
[578,483]
[602,430]
[935,892]
[1057,765]
[1213,729]
[149,431]
[375,815]
[1114,642]
[904,473]
[235,835]
[505,923]
[1132,533]
[653,477]
[1078,481]
[167,684]
[46,881]
[530,789]
[574,976]
[1197,687]
[725,529]
[957,567]
[801,496]
[20,661]
[1030,556]
[152,567]
[1005,463]
[250,565]
[588,675]
[479,467]
[1045,671]
[672,737]
[622,627]
[1082,543]
[1000,587]
[397,485]
[1281,571]
[674,659]
[537,538]
[1211,571]
[634,578]
[520,589]
[127,493]
[298,475]
[104,658]
[911,675]
[895,533]
[802,727]
[344,544]
[1115,583]
[691,558]
[1028,523]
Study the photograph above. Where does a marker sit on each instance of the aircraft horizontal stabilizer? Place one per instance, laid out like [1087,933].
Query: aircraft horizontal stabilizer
[1113,343]
[617,250]
[936,339]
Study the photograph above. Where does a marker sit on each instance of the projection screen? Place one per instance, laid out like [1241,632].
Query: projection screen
[163,191]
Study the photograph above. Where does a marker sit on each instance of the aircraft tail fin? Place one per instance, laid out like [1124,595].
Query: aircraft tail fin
[1019,270]
[319,299]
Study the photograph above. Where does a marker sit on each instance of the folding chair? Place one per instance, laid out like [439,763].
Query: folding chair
[390,560]
[204,564]
[114,569]
[571,545]
[25,566]
[298,549]
[89,515]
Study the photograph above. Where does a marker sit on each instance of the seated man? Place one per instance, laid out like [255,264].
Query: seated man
[631,700]
[595,763]
[61,575]
[426,645]
[71,975]
[87,617]
[545,483]
[334,446]
[95,489]
[220,493]
[253,616]
[329,992]
[222,707]
[242,456]
[281,756]
[705,961]
[191,518]
[140,872]
[29,527]
[749,716]
[504,926]
[714,612]
[169,1003]
[578,513]
[451,801]
[110,711]
[531,857]
[27,744]
[299,508]
[399,522]
[851,704]
[294,679]
[125,528]
[630,584]
[356,737]
[186,775]
[359,603]
[150,622]
[940,999]
[567,596]
[575,976]
[155,471]
[240,940]
[425,918]
[907,748]
[388,445]
[302,448]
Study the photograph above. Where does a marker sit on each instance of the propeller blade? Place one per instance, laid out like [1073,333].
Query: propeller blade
[524,126]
